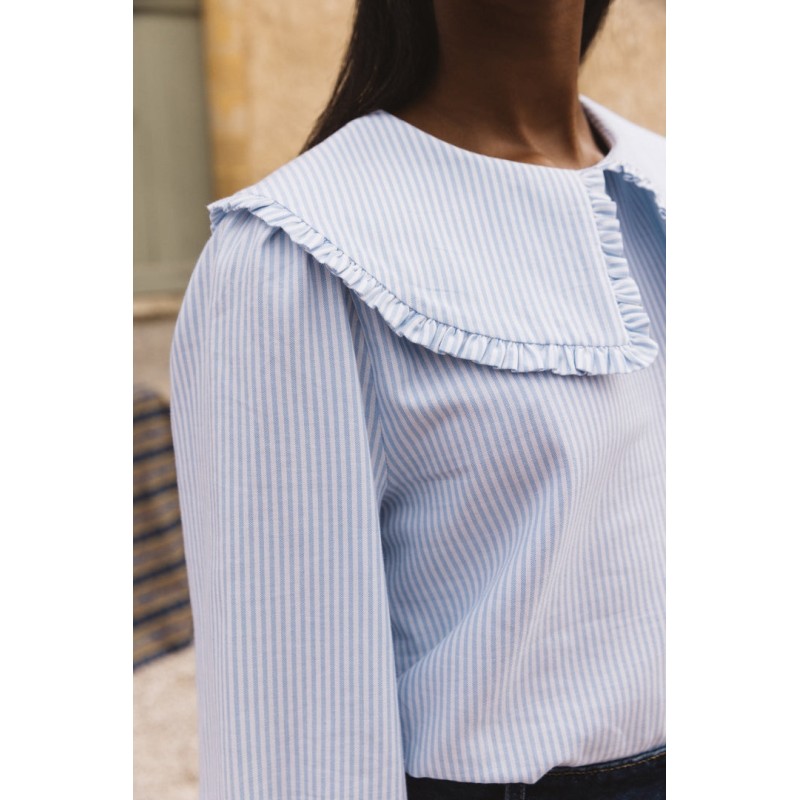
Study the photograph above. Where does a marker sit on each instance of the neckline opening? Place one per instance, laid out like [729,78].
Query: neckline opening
[600,132]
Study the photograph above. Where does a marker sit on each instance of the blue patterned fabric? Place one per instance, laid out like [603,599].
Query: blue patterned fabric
[418,415]
[162,619]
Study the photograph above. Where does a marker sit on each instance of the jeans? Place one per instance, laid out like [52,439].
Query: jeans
[638,777]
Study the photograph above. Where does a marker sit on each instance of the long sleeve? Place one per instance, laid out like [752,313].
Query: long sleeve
[296,685]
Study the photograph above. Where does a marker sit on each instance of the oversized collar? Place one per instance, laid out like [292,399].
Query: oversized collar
[509,265]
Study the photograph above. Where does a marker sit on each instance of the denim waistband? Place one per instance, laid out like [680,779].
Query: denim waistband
[607,766]
[638,777]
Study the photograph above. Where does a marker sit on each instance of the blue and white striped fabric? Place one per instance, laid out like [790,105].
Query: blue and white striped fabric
[418,415]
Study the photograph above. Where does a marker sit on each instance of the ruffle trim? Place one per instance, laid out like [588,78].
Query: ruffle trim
[442,337]
[640,350]
[630,173]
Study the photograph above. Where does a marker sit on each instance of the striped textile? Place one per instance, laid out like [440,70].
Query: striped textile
[418,411]
[162,620]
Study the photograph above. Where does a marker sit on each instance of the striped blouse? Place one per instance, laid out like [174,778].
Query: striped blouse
[418,413]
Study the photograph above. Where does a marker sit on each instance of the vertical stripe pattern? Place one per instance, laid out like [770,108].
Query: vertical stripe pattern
[402,558]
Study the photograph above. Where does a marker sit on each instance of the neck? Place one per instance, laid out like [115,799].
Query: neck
[507,81]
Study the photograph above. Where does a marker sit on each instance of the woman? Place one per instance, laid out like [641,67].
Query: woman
[418,410]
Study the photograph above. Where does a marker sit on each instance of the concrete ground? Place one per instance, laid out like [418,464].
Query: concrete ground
[164,702]
[165,729]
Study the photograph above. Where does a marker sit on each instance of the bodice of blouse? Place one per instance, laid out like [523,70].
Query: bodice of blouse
[522,524]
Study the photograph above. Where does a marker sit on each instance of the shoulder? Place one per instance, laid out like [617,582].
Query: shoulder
[336,185]
[641,150]
[458,252]
[627,132]
[645,148]
[250,269]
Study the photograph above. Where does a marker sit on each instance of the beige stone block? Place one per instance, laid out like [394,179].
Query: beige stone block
[626,68]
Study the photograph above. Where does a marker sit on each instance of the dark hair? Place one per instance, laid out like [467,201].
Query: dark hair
[392,56]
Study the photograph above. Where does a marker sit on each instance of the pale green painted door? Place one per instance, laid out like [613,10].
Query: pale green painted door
[172,177]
